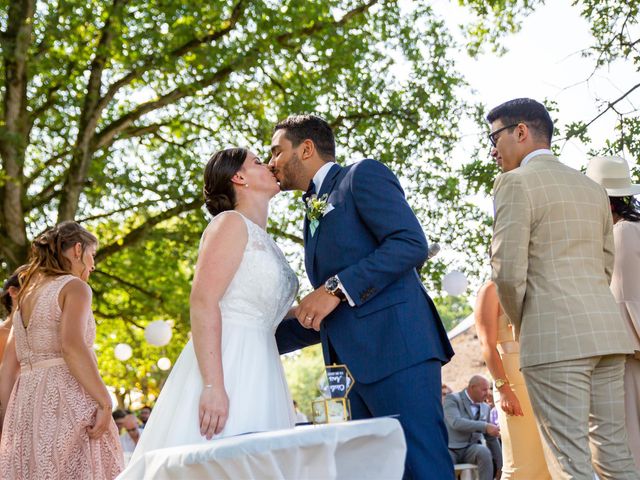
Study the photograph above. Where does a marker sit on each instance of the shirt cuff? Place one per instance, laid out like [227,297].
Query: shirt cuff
[346,294]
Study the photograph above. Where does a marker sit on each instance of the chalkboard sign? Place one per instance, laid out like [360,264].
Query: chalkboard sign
[340,380]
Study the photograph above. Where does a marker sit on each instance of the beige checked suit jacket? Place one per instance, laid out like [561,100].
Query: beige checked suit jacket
[552,260]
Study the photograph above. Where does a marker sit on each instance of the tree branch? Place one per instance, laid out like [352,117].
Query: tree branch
[610,106]
[50,97]
[107,136]
[339,120]
[119,210]
[44,196]
[46,165]
[114,316]
[89,116]
[139,232]
[91,110]
[154,295]
[289,236]
[178,52]
[140,131]
[316,27]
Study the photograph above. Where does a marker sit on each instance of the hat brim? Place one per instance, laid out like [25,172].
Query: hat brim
[623,192]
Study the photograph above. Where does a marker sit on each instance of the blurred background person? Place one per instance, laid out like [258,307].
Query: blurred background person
[57,419]
[8,297]
[129,429]
[493,414]
[522,454]
[467,418]
[446,390]
[143,415]
[614,175]
[300,417]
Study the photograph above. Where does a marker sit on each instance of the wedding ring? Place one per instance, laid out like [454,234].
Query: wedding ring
[308,317]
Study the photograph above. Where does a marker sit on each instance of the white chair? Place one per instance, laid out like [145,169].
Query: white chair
[466,471]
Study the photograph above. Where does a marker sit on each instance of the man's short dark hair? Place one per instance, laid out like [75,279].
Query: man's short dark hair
[302,127]
[524,110]
[120,413]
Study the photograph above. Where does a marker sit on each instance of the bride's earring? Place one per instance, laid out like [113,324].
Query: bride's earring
[246,184]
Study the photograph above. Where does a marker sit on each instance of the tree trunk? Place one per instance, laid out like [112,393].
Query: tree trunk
[14,133]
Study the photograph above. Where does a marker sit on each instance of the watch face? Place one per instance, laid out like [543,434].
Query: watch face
[331,284]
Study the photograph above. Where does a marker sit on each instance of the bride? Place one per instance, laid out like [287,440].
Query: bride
[229,379]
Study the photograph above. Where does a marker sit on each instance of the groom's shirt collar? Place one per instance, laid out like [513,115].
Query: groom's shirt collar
[535,153]
[321,174]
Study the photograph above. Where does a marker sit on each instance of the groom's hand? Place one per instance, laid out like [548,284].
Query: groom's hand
[315,307]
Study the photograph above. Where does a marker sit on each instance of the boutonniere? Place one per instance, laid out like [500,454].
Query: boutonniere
[316,208]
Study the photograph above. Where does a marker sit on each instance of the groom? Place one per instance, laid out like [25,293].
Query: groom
[363,245]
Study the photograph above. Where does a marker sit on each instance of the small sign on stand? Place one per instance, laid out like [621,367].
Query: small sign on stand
[336,408]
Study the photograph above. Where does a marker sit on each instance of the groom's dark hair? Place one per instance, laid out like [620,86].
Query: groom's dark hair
[524,110]
[299,128]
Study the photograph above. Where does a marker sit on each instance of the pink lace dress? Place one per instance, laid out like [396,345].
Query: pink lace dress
[44,434]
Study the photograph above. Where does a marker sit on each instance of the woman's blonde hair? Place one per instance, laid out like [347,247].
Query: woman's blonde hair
[47,251]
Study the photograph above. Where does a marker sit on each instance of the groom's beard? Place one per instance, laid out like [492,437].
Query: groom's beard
[291,174]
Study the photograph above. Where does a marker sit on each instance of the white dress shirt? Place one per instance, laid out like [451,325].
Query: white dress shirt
[321,174]
[535,153]
[474,406]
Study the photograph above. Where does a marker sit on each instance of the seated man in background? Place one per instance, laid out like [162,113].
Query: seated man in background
[467,417]
[129,438]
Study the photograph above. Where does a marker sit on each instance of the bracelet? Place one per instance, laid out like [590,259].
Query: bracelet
[207,386]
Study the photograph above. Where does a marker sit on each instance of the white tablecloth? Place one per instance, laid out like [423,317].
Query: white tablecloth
[360,449]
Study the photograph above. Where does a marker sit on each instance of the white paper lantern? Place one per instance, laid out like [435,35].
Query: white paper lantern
[454,283]
[164,363]
[158,333]
[123,352]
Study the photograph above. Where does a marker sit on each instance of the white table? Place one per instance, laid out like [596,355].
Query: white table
[360,449]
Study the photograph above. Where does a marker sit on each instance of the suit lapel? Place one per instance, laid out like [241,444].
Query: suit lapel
[311,241]
[305,229]
[467,403]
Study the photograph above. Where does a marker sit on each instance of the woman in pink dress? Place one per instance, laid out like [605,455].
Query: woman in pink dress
[56,409]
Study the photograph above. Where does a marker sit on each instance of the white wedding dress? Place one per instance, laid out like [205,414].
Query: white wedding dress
[255,302]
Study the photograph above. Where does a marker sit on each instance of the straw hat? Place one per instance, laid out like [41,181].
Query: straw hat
[613,174]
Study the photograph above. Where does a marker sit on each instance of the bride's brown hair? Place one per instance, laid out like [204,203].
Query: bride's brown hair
[47,251]
[219,192]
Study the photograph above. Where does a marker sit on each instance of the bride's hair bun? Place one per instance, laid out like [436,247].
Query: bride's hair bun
[219,192]
[218,203]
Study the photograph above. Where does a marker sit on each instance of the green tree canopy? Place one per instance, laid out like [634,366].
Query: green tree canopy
[111,108]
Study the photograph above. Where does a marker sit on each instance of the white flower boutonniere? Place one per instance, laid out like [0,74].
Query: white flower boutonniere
[316,207]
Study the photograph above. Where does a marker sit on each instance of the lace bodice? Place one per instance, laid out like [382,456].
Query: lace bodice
[40,340]
[264,286]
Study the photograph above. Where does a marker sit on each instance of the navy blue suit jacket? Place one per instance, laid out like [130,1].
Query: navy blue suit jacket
[373,241]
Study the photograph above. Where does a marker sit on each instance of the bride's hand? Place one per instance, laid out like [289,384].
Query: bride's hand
[509,402]
[214,411]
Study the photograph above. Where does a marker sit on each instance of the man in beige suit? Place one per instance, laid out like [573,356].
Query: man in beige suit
[552,263]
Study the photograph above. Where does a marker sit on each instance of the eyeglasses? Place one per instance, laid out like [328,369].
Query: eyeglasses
[493,135]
